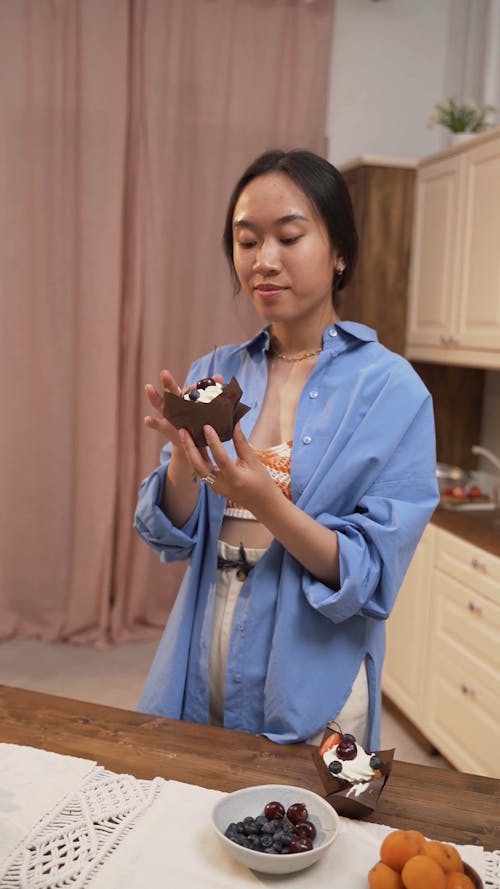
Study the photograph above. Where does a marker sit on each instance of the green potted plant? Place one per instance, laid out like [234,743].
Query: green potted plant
[462,117]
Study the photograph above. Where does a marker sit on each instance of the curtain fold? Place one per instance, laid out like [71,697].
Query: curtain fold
[124,126]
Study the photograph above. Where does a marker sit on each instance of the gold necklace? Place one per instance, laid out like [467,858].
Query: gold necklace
[281,355]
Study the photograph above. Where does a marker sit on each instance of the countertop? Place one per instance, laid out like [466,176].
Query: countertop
[481,528]
[442,803]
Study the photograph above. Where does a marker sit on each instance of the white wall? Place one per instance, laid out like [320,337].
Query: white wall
[392,60]
[388,70]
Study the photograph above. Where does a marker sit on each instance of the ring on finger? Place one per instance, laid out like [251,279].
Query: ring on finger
[210,478]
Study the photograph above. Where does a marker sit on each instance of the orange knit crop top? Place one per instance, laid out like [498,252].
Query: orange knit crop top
[277,461]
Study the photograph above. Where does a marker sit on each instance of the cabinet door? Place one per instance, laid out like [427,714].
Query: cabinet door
[404,675]
[434,254]
[464,664]
[478,323]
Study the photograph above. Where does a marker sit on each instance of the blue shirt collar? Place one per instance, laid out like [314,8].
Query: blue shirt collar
[348,330]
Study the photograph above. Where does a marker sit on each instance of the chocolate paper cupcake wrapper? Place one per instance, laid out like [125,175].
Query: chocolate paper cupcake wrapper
[353,800]
[222,413]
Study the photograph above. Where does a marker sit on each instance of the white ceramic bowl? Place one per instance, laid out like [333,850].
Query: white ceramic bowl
[251,801]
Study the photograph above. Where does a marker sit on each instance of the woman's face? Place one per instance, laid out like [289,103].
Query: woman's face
[282,253]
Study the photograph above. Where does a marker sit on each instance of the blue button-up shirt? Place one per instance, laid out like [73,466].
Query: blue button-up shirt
[363,465]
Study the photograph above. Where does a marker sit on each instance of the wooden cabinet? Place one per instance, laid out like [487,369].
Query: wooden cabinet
[382,197]
[382,192]
[407,649]
[454,294]
[442,665]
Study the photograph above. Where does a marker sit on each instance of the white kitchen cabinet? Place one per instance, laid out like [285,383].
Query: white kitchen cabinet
[442,666]
[407,646]
[462,715]
[454,294]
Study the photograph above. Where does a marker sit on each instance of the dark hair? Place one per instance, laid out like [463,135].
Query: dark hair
[325,187]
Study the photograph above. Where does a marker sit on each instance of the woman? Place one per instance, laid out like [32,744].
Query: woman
[300,530]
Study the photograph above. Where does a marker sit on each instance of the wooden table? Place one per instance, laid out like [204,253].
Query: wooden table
[445,805]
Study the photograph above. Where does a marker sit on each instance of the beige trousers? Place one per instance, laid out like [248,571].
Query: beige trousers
[353,716]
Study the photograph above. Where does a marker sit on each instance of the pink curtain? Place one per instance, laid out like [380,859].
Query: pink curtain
[123,127]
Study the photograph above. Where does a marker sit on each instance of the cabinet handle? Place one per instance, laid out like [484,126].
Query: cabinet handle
[467,690]
[476,609]
[479,566]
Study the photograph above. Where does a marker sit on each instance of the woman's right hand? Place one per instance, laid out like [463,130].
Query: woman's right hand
[158,421]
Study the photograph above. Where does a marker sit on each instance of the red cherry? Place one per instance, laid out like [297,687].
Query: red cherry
[205,382]
[474,491]
[347,749]
[297,812]
[305,829]
[274,810]
[300,844]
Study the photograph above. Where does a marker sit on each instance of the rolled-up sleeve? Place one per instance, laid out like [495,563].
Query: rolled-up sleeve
[377,540]
[171,543]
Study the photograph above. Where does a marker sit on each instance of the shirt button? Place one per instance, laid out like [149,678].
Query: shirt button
[237,677]
[307,439]
[313,393]
[332,332]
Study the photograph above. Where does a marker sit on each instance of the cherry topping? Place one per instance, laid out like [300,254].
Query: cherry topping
[300,844]
[297,812]
[274,810]
[205,382]
[305,829]
[346,749]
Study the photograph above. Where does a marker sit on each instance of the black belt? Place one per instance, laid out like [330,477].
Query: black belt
[241,564]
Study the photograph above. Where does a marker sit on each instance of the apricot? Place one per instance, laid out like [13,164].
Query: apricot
[445,855]
[457,880]
[399,846]
[422,872]
[383,877]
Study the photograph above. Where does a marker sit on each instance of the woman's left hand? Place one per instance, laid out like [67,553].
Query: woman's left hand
[245,481]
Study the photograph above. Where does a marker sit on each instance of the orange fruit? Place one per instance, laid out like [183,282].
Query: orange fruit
[422,872]
[445,855]
[458,881]
[383,877]
[399,846]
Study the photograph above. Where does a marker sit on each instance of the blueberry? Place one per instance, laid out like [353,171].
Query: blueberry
[266,841]
[194,395]
[376,762]
[335,767]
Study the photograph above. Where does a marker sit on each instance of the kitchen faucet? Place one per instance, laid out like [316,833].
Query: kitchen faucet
[484,452]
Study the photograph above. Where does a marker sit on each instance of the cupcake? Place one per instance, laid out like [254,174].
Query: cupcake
[209,403]
[352,777]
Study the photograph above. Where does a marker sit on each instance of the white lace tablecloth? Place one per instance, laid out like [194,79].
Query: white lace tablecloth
[67,823]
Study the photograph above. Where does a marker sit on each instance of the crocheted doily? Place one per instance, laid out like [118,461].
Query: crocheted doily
[492,869]
[67,846]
